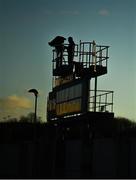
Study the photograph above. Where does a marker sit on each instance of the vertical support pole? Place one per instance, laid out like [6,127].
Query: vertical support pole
[83,55]
[88,94]
[106,101]
[94,55]
[112,103]
[100,57]
[35,114]
[80,52]
[36,94]
[107,55]
[99,102]
[95,93]
[85,95]
[89,54]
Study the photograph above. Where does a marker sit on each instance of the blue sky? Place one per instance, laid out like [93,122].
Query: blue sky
[28,25]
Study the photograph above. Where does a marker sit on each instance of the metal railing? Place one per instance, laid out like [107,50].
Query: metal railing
[92,54]
[104,101]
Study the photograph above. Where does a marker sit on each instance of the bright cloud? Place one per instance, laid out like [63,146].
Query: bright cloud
[15,101]
[104,12]
[14,106]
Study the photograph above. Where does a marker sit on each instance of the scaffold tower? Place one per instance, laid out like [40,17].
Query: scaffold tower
[72,93]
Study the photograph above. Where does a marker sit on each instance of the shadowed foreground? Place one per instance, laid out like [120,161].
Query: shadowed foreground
[74,148]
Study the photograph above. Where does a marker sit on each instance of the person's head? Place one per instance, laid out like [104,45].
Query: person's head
[70,39]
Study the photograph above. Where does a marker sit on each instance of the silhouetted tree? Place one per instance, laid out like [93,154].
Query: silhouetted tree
[29,118]
[123,123]
[10,120]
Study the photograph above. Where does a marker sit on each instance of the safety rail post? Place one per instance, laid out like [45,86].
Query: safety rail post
[95,94]
[100,57]
[112,102]
[99,102]
[105,101]
[89,53]
[80,52]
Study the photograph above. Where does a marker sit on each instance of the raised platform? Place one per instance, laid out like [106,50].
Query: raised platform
[63,70]
[92,71]
[89,117]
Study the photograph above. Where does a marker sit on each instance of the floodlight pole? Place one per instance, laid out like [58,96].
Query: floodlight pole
[35,114]
[36,95]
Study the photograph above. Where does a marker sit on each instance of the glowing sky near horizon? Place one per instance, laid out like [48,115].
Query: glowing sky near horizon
[25,58]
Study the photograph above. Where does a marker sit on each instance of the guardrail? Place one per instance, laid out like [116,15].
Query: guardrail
[104,101]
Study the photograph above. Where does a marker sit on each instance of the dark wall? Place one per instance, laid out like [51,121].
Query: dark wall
[77,148]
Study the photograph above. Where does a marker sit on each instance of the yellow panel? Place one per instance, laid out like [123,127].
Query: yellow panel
[69,107]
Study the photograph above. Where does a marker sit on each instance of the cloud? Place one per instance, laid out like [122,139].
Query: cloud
[104,12]
[14,106]
[15,102]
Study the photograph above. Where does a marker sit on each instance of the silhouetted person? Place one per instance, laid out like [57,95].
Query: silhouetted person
[70,49]
[57,42]
[59,52]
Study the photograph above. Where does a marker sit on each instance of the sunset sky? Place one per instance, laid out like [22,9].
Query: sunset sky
[25,56]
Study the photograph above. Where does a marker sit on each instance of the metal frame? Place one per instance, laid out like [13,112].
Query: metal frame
[103,102]
[93,61]
[86,54]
